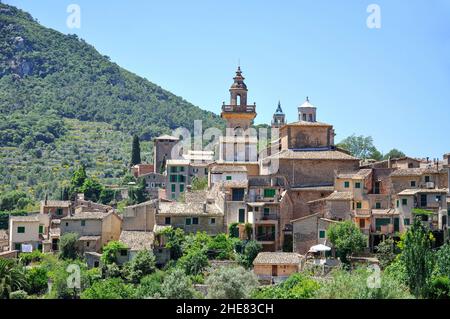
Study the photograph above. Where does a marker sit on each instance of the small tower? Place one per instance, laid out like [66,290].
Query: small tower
[238,115]
[279,119]
[307,112]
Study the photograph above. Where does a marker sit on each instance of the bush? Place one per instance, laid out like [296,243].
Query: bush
[251,250]
[19,294]
[347,238]
[150,285]
[355,285]
[233,230]
[439,288]
[68,246]
[141,265]
[194,262]
[63,272]
[231,283]
[27,258]
[112,288]
[386,252]
[110,252]
[177,285]
[222,246]
[297,286]
[37,278]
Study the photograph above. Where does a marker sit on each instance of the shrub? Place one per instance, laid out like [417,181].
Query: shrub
[386,252]
[439,288]
[68,246]
[297,286]
[27,258]
[251,250]
[37,278]
[110,252]
[231,283]
[141,265]
[18,294]
[151,285]
[194,262]
[177,285]
[347,238]
[112,288]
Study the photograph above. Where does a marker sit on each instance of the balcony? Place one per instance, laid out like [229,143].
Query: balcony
[238,108]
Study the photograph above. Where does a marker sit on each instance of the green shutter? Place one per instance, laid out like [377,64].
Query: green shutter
[188,221]
[21,229]
[321,234]
[406,221]
[358,205]
[378,205]
[404,201]
[269,192]
[396,224]
[228,178]
[241,215]
[181,188]
[357,185]
[346,184]
[173,186]
[41,229]
[381,222]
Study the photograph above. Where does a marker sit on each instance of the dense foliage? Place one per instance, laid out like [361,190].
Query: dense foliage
[47,79]
[297,286]
[346,238]
[231,283]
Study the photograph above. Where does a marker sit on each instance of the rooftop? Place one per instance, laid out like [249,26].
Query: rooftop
[87,215]
[137,240]
[312,155]
[89,238]
[336,196]
[25,219]
[389,211]
[178,162]
[228,169]
[415,171]
[306,123]
[414,191]
[362,173]
[56,203]
[278,258]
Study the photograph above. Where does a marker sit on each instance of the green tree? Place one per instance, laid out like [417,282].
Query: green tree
[111,251]
[78,178]
[361,147]
[14,200]
[354,285]
[12,278]
[68,246]
[417,257]
[175,239]
[222,246]
[141,265]
[150,285]
[91,189]
[394,153]
[199,183]
[386,252]
[194,262]
[107,195]
[37,279]
[231,283]
[135,151]
[112,288]
[346,238]
[251,250]
[443,260]
[297,286]
[177,285]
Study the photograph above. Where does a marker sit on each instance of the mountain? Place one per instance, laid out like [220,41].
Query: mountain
[52,84]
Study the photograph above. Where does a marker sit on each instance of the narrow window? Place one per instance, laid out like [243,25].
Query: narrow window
[167,220]
[346,184]
[195,221]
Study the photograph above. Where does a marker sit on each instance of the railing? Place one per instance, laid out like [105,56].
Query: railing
[238,108]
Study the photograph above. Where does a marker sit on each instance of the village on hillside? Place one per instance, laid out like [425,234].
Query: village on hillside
[290,199]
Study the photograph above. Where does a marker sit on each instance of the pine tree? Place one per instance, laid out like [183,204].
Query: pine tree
[135,151]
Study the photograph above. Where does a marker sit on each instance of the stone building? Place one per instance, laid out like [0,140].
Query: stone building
[198,212]
[240,141]
[162,151]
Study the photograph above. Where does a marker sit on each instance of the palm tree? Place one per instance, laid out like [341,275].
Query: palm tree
[12,278]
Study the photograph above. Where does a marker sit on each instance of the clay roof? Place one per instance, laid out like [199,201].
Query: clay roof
[193,205]
[362,173]
[389,211]
[86,215]
[312,155]
[228,169]
[56,203]
[414,191]
[335,196]
[415,171]
[25,219]
[178,162]
[278,258]
[137,240]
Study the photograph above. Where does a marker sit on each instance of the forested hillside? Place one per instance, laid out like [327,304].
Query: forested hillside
[47,78]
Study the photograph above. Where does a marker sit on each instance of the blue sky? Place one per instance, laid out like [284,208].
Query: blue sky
[392,83]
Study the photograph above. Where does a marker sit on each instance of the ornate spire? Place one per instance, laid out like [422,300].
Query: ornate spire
[279,110]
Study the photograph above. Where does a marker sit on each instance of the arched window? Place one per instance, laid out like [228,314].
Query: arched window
[238,99]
